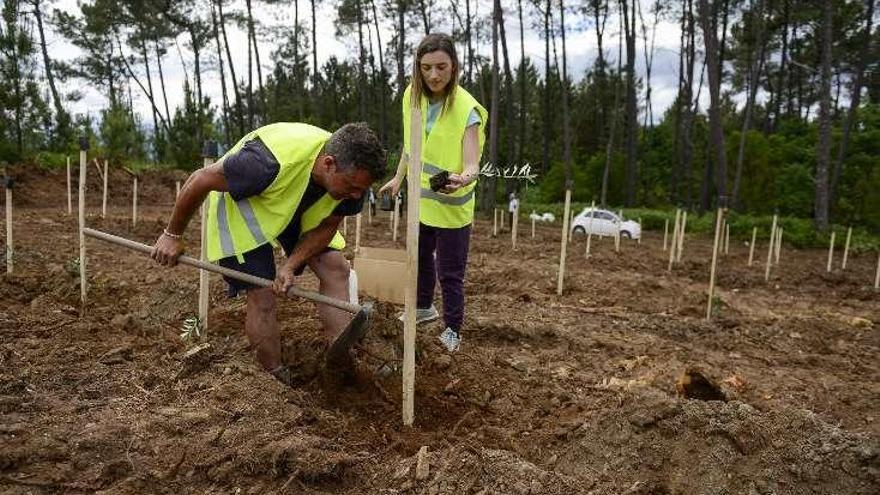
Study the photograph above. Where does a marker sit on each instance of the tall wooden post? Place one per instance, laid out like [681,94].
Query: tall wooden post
[395,217]
[846,249]
[830,252]
[617,231]
[681,230]
[877,274]
[9,241]
[357,231]
[590,227]
[778,245]
[502,213]
[83,167]
[752,245]
[495,222]
[640,235]
[665,233]
[673,246]
[513,227]
[570,223]
[69,199]
[412,266]
[176,189]
[104,196]
[718,222]
[726,238]
[344,226]
[209,154]
[533,225]
[565,227]
[770,250]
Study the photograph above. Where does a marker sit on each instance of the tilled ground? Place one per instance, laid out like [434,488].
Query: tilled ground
[549,394]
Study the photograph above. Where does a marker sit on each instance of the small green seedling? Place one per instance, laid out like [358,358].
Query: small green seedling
[192,329]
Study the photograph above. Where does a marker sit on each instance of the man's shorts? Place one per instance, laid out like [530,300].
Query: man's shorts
[260,262]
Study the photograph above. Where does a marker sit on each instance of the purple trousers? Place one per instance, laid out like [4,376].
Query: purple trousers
[450,249]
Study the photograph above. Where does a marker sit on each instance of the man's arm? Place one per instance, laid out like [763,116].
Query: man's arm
[312,243]
[193,193]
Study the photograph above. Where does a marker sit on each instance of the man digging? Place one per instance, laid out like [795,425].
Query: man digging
[286,184]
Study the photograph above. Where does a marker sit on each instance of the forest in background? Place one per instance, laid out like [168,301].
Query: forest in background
[792,125]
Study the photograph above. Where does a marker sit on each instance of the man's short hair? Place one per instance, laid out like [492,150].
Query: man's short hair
[357,146]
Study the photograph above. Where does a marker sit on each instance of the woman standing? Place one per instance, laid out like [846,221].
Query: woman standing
[453,124]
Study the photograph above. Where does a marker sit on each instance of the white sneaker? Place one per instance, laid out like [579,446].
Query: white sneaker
[423,315]
[450,339]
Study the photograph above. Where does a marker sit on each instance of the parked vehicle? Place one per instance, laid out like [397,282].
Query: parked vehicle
[604,223]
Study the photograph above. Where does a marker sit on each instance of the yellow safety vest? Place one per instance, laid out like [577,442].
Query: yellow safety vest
[236,227]
[442,150]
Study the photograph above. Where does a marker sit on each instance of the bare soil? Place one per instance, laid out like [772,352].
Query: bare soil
[549,394]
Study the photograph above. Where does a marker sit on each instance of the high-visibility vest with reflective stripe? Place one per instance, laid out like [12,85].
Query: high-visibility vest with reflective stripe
[442,150]
[236,227]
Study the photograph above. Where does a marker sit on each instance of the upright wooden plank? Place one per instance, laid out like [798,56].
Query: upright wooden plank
[752,245]
[176,189]
[9,240]
[830,252]
[617,231]
[209,154]
[718,222]
[104,196]
[395,216]
[877,274]
[673,246]
[69,198]
[590,227]
[533,225]
[846,249]
[770,250]
[565,227]
[778,246]
[357,232]
[513,227]
[681,231]
[134,201]
[412,266]
[665,233]
[83,167]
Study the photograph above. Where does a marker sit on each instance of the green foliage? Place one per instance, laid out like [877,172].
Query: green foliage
[189,127]
[121,137]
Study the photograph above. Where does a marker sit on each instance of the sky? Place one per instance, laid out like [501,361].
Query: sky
[580,43]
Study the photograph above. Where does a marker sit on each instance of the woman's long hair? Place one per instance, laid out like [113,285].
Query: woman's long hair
[432,43]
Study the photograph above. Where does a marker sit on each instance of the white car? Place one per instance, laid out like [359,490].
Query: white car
[604,223]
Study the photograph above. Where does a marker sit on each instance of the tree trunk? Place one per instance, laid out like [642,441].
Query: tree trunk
[61,117]
[566,121]
[715,124]
[362,99]
[152,96]
[547,124]
[426,22]
[609,145]
[523,98]
[382,80]
[315,46]
[250,83]
[675,172]
[690,109]
[855,101]
[238,106]
[467,35]
[508,88]
[161,78]
[296,70]
[401,38]
[494,123]
[780,79]
[632,125]
[225,102]
[253,34]
[755,67]
[824,149]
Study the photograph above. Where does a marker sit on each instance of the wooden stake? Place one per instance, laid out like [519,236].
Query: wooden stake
[570,223]
[513,227]
[370,212]
[412,266]
[665,233]
[391,215]
[9,240]
[778,246]
[177,189]
[495,223]
[830,252]
[639,242]
[502,213]
[357,231]
[209,153]
[590,227]
[83,167]
[752,245]
[344,226]
[565,227]
[69,198]
[718,220]
[877,275]
[681,230]
[533,226]
[726,238]
[617,231]
[134,202]
[770,250]
[104,197]
[674,245]
[846,249]
[395,218]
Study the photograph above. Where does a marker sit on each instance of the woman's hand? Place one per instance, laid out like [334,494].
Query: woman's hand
[456,182]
